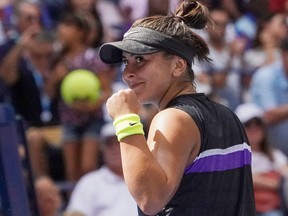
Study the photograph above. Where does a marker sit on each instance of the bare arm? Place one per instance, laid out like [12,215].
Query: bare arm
[277,114]
[9,65]
[154,168]
[266,182]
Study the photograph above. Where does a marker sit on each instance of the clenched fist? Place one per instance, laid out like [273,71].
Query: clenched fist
[123,102]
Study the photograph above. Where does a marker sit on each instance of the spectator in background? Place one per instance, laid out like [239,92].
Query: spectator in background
[269,90]
[246,24]
[25,69]
[81,122]
[271,30]
[235,8]
[23,64]
[269,164]
[223,72]
[88,9]
[103,192]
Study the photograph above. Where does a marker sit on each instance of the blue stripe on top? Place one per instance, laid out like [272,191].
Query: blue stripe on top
[221,159]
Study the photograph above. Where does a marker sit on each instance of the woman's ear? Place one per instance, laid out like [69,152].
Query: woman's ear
[179,66]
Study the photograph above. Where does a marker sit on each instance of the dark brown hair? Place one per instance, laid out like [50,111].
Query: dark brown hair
[189,15]
[78,20]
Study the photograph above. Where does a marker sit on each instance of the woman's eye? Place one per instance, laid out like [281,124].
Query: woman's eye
[139,59]
[125,62]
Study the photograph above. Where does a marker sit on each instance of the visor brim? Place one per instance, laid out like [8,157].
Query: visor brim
[111,53]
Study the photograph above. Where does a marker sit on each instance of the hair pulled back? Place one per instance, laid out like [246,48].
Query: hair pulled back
[189,15]
[194,14]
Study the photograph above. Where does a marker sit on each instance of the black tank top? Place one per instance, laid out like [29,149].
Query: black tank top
[219,180]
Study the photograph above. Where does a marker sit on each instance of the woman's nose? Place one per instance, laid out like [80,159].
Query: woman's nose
[128,73]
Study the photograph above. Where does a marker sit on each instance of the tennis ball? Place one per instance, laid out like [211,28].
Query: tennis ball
[80,84]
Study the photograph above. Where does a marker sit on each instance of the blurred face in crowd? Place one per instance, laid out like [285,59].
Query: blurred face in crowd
[220,19]
[69,34]
[42,44]
[28,15]
[255,131]
[41,52]
[73,30]
[278,27]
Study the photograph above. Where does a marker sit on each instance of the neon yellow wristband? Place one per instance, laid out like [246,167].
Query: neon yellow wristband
[127,125]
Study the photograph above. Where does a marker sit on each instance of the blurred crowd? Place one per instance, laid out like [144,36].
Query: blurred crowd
[70,147]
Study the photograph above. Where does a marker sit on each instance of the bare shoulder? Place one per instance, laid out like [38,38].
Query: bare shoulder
[175,119]
[176,132]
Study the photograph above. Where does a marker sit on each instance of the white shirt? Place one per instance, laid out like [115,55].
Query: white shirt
[262,164]
[102,193]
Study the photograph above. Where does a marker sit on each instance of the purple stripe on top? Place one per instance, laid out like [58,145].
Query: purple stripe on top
[220,162]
